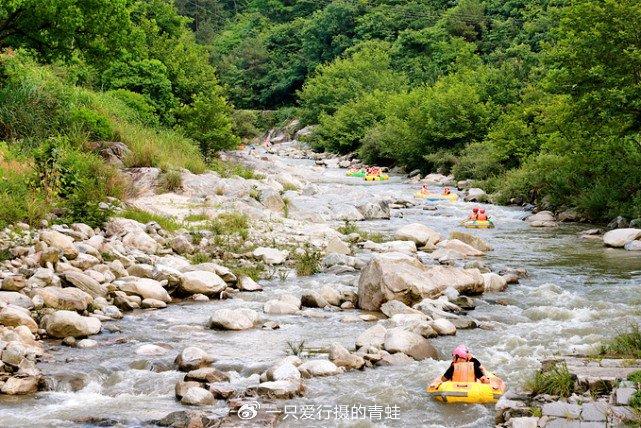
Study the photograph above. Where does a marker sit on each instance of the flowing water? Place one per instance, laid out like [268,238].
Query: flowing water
[577,294]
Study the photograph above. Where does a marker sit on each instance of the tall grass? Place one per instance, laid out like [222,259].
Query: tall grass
[144,217]
[624,345]
[557,380]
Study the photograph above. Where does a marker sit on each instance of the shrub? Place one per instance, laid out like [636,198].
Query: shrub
[95,126]
[199,258]
[230,223]
[557,380]
[170,181]
[228,169]
[308,262]
[197,217]
[140,109]
[207,121]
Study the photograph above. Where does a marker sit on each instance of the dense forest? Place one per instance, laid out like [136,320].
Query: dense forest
[539,101]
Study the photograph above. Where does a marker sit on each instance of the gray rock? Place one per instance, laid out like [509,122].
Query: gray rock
[14,316]
[67,323]
[71,299]
[596,411]
[314,368]
[409,343]
[373,337]
[202,282]
[281,389]
[560,409]
[313,299]
[20,386]
[86,284]
[192,358]
[622,395]
[198,396]
[233,319]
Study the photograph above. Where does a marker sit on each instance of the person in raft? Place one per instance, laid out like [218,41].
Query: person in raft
[464,368]
[474,215]
[424,189]
[481,215]
[447,191]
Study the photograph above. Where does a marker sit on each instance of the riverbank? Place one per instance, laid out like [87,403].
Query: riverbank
[296,222]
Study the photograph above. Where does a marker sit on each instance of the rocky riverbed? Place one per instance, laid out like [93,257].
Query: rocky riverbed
[129,325]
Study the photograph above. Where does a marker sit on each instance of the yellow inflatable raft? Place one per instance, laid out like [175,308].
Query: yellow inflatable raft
[477,224]
[379,177]
[468,392]
[452,197]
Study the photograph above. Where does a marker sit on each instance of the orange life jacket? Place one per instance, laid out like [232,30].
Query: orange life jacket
[482,217]
[473,216]
[463,372]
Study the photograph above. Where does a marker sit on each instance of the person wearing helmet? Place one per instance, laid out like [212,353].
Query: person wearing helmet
[464,367]
[447,191]
[424,189]
[474,214]
[481,215]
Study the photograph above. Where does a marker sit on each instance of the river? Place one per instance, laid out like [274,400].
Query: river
[577,294]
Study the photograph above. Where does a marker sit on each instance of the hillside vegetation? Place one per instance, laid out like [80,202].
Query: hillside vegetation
[76,76]
[538,100]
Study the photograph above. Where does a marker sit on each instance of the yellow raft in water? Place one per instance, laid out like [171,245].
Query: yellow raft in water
[452,197]
[477,224]
[379,177]
[469,392]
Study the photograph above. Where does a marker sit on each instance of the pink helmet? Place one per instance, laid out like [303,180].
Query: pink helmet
[461,351]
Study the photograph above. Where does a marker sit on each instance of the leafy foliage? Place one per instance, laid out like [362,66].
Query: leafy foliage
[556,380]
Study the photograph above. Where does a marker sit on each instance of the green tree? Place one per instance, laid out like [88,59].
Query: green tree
[364,69]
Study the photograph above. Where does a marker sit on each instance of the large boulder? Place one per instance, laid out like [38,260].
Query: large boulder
[20,385]
[233,319]
[475,194]
[202,282]
[70,298]
[619,237]
[395,276]
[14,316]
[86,284]
[144,287]
[15,298]
[419,233]
[471,240]
[375,210]
[409,343]
[67,323]
[542,219]
[62,242]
